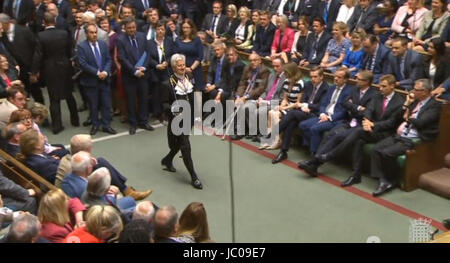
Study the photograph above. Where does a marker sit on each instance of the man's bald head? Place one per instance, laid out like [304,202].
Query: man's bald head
[81,142]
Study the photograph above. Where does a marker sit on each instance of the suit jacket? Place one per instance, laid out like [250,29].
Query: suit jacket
[308,53]
[333,11]
[340,112]
[442,71]
[229,82]
[438,26]
[264,39]
[128,57]
[140,24]
[139,7]
[352,107]
[63,24]
[259,85]
[88,63]
[320,93]
[309,8]
[36,24]
[14,195]
[278,95]
[220,28]
[381,62]
[101,35]
[74,185]
[165,9]
[413,68]
[65,10]
[271,5]
[23,46]
[26,10]
[45,166]
[12,149]
[157,75]
[367,19]
[385,122]
[210,79]
[427,121]
[286,42]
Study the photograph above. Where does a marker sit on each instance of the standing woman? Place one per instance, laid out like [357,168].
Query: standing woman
[191,46]
[180,89]
[112,15]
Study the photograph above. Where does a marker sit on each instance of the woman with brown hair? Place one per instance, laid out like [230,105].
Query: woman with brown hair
[193,224]
[300,39]
[112,15]
[191,46]
[23,116]
[59,215]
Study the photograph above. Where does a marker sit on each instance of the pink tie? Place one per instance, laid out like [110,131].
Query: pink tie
[384,105]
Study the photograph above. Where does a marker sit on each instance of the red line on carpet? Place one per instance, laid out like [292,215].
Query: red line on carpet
[392,206]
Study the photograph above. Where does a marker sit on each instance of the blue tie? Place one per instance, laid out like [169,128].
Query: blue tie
[16,7]
[218,71]
[135,46]
[325,14]
[98,57]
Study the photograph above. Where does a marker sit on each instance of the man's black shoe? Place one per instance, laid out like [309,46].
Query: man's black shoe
[94,130]
[280,157]
[109,130]
[308,167]
[351,181]
[169,166]
[197,184]
[147,127]
[132,130]
[256,138]
[236,137]
[383,188]
[87,122]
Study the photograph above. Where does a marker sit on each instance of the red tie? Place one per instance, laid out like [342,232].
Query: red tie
[77,34]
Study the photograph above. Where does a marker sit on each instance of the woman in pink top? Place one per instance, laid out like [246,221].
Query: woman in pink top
[408,19]
[283,39]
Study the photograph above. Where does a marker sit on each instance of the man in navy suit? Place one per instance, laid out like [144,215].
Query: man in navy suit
[316,44]
[375,57]
[328,10]
[264,35]
[95,62]
[65,10]
[20,10]
[142,6]
[133,49]
[214,24]
[332,111]
[405,64]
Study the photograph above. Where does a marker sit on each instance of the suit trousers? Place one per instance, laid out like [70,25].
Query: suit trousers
[137,91]
[312,132]
[117,178]
[156,101]
[288,124]
[384,156]
[55,111]
[100,94]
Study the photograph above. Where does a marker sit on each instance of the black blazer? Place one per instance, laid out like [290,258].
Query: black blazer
[309,8]
[158,75]
[321,47]
[368,19]
[139,7]
[381,62]
[352,107]
[413,68]
[65,10]
[220,28]
[36,24]
[263,40]
[442,71]
[26,10]
[23,46]
[229,82]
[332,12]
[320,94]
[427,121]
[388,121]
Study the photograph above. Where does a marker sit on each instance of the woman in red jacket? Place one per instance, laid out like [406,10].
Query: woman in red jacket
[283,39]
[59,215]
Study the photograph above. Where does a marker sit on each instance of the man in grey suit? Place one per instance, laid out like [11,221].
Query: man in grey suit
[89,18]
[271,5]
[15,197]
[364,16]
[214,24]
[405,64]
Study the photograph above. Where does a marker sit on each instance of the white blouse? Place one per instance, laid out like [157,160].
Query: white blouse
[344,13]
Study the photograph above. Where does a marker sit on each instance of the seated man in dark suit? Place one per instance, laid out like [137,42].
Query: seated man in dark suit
[12,135]
[375,57]
[316,44]
[332,111]
[405,64]
[265,32]
[312,96]
[360,98]
[364,16]
[328,10]
[231,75]
[15,197]
[421,114]
[215,70]
[214,24]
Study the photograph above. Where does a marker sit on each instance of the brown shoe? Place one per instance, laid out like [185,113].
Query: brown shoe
[135,194]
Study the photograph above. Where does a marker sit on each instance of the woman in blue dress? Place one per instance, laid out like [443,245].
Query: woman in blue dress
[382,27]
[190,45]
[355,53]
[336,49]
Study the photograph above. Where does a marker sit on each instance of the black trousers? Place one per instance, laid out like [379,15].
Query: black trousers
[288,124]
[55,111]
[384,157]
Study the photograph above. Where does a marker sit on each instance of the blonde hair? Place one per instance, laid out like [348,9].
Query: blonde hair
[234,9]
[193,221]
[104,222]
[247,12]
[28,142]
[38,109]
[342,27]
[53,208]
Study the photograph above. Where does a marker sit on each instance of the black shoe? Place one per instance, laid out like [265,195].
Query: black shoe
[351,181]
[168,165]
[197,184]
[383,188]
[58,130]
[94,130]
[109,130]
[248,137]
[268,135]
[308,167]
[236,137]
[132,130]
[147,127]
[280,157]
[87,122]
[256,139]
[323,158]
